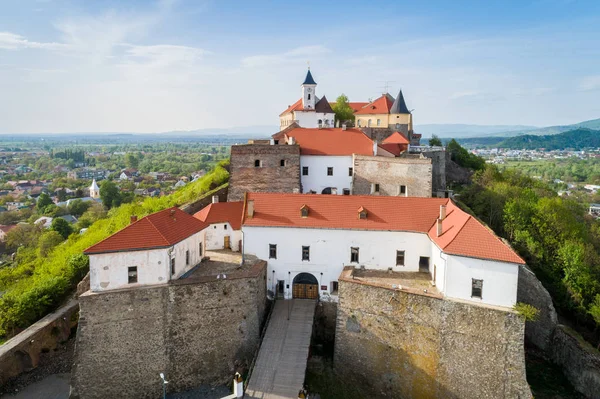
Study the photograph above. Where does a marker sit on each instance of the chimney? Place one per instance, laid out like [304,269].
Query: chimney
[374,148]
[132,219]
[291,141]
[215,199]
[442,212]
[439,227]
[250,207]
[344,127]
[296,190]
[172,212]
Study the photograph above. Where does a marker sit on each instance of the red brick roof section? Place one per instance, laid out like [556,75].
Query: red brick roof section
[158,230]
[462,234]
[380,106]
[297,106]
[331,141]
[222,212]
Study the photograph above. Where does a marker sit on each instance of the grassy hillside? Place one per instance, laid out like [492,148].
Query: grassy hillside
[37,285]
[575,139]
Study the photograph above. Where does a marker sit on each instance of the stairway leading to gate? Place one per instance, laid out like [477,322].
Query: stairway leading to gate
[281,363]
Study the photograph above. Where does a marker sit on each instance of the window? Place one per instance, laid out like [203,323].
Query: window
[320,122]
[476,288]
[350,170]
[399,258]
[272,251]
[304,211]
[309,96]
[282,162]
[402,190]
[276,141]
[359,122]
[346,191]
[334,287]
[172,265]
[187,257]
[200,249]
[224,227]
[257,163]
[362,213]
[215,226]
[329,171]
[354,254]
[376,189]
[132,276]
[306,253]
[397,126]
[305,171]
[378,122]
[369,123]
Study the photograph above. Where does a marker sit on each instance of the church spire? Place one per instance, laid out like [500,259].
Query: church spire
[399,105]
[309,88]
[309,79]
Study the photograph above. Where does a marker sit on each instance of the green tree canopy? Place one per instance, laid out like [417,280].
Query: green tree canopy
[48,241]
[78,207]
[62,227]
[110,194]
[342,109]
[43,201]
[435,141]
[463,157]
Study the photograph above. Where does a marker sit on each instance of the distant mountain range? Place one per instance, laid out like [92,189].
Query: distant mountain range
[576,139]
[485,131]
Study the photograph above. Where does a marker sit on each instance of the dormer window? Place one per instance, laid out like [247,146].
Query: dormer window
[362,213]
[304,211]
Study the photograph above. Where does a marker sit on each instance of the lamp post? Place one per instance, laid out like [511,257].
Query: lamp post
[165,382]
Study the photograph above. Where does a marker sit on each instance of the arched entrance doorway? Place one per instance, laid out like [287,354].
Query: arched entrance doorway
[326,190]
[305,286]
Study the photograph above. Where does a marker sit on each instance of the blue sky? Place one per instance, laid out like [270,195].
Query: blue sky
[152,66]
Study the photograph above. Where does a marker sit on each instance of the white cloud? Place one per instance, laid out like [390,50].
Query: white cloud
[590,83]
[297,54]
[12,41]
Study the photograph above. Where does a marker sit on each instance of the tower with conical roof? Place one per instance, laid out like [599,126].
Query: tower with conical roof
[94,190]
[309,88]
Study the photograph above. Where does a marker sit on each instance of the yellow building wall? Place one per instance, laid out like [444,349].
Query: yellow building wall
[286,120]
[386,120]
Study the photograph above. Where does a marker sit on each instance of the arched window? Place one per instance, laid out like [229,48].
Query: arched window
[378,122]
[359,122]
[369,123]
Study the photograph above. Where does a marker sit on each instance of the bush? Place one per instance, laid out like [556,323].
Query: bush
[526,311]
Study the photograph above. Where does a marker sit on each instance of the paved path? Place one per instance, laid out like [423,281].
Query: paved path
[281,363]
[55,386]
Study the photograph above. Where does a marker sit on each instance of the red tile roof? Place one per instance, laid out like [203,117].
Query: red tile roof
[222,212]
[462,234]
[159,230]
[396,138]
[395,144]
[380,106]
[354,105]
[297,106]
[331,141]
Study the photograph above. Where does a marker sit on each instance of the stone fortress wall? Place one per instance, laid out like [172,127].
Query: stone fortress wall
[270,176]
[405,345]
[195,331]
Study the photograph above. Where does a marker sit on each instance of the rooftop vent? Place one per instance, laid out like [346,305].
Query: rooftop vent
[442,212]
[439,227]
[132,219]
[362,213]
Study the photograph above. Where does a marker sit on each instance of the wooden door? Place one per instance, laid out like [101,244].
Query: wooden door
[305,291]
[227,243]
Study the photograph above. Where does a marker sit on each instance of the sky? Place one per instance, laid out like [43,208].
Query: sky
[71,66]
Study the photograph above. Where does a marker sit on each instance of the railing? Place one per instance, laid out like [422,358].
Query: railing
[425,148]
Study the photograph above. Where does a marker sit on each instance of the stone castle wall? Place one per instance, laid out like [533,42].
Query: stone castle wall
[438,175]
[270,176]
[195,331]
[401,345]
[390,173]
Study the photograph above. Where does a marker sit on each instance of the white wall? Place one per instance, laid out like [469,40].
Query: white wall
[317,178]
[438,263]
[215,236]
[330,251]
[311,119]
[109,271]
[499,280]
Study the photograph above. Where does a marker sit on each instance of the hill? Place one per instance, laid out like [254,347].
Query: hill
[575,139]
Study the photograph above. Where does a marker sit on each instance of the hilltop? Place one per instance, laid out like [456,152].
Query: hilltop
[574,139]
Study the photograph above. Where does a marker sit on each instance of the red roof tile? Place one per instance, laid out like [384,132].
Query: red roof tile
[297,106]
[380,106]
[331,141]
[222,212]
[462,234]
[354,105]
[396,138]
[159,230]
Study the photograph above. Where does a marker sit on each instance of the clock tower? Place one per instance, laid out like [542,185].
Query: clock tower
[308,92]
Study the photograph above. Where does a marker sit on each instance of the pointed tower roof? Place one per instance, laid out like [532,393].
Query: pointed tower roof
[399,106]
[309,79]
[94,185]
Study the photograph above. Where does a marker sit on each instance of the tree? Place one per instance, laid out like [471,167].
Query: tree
[110,194]
[62,195]
[25,235]
[43,201]
[48,241]
[435,141]
[131,161]
[62,227]
[78,207]
[342,109]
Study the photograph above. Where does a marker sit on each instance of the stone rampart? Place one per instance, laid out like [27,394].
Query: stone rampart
[402,345]
[206,199]
[196,331]
[22,353]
